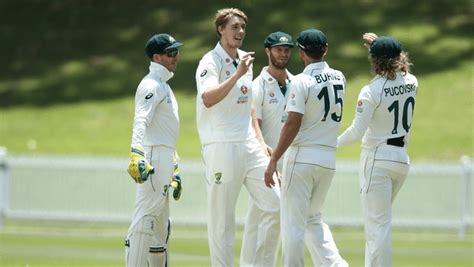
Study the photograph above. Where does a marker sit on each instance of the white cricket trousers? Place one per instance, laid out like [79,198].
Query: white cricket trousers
[303,192]
[148,233]
[382,174]
[228,167]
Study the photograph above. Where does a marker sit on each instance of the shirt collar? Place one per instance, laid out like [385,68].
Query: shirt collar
[223,54]
[163,73]
[315,65]
[269,78]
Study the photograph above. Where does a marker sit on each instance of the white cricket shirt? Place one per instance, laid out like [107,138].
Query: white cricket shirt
[269,103]
[318,94]
[156,119]
[230,119]
[384,110]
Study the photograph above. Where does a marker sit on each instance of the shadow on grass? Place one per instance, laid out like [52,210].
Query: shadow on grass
[62,51]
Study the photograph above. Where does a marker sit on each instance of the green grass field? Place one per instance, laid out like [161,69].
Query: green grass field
[35,244]
[443,116]
[70,69]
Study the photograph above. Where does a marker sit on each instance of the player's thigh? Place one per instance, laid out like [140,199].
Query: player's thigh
[265,198]
[396,171]
[224,163]
[322,178]
[152,195]
[296,189]
[255,159]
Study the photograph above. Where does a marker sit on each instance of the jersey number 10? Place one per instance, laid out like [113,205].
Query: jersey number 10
[395,107]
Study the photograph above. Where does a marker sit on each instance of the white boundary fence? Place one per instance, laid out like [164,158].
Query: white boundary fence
[435,195]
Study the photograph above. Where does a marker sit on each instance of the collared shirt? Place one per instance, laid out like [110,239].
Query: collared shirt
[156,120]
[384,110]
[318,94]
[269,102]
[230,119]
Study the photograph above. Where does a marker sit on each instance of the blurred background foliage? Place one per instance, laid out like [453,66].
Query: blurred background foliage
[60,51]
[69,69]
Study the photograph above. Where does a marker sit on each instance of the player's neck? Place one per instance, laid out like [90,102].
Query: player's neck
[279,74]
[231,51]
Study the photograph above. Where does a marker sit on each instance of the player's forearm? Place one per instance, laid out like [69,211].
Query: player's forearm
[138,132]
[348,137]
[256,127]
[288,133]
[215,94]
[354,133]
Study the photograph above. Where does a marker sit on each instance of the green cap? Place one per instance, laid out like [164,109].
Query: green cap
[312,40]
[160,44]
[385,47]
[278,38]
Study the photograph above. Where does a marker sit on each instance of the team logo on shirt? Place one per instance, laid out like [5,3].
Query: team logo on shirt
[203,73]
[168,98]
[218,176]
[227,73]
[148,96]
[292,96]
[273,99]
[244,89]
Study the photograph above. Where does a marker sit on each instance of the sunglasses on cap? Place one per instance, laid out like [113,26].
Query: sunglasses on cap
[172,53]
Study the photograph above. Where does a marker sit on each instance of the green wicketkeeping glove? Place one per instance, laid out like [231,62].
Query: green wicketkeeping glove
[139,168]
[176,183]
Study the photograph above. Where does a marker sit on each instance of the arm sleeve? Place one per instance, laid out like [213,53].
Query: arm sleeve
[206,76]
[296,98]
[147,98]
[257,98]
[364,112]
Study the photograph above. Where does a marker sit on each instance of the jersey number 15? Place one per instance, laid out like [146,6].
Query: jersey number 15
[325,94]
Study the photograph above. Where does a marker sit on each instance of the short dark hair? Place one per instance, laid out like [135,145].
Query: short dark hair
[316,53]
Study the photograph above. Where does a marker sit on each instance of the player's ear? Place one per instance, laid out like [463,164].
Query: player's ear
[325,51]
[220,30]
[156,58]
[267,51]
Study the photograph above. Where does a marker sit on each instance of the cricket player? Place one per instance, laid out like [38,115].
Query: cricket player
[269,99]
[234,152]
[309,138]
[382,120]
[153,161]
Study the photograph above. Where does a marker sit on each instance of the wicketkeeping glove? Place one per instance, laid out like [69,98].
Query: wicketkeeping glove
[176,183]
[139,168]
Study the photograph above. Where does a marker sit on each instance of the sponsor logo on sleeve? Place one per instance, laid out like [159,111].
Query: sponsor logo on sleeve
[148,96]
[203,73]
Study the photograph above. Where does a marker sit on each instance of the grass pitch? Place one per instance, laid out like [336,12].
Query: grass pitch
[99,244]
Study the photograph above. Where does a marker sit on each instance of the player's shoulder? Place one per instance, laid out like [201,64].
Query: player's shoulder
[150,86]
[335,72]
[210,58]
[410,78]
[303,80]
[210,61]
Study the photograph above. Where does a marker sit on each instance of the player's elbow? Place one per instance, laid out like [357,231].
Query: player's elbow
[208,103]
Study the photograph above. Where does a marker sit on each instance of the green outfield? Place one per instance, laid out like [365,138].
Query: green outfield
[37,244]
[104,128]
